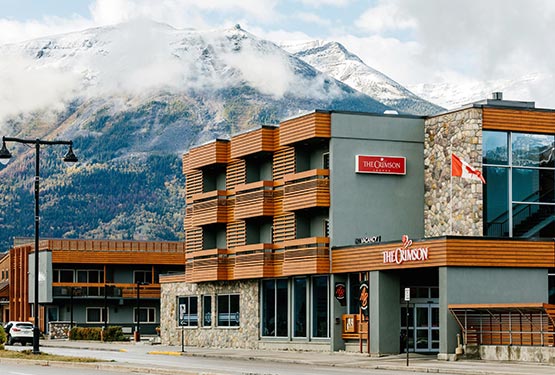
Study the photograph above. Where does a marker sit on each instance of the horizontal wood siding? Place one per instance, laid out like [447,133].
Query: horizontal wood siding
[452,252]
[216,152]
[172,278]
[236,234]
[284,227]
[211,210]
[284,162]
[306,190]
[113,246]
[518,120]
[236,173]
[253,261]
[254,200]
[307,256]
[193,240]
[313,125]
[120,257]
[261,140]
[193,184]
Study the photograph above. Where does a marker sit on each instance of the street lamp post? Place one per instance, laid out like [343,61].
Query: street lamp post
[70,157]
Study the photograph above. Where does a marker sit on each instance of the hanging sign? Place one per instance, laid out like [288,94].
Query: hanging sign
[381,164]
[340,293]
[364,297]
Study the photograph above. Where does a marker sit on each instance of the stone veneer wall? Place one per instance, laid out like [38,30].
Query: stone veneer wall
[456,209]
[245,336]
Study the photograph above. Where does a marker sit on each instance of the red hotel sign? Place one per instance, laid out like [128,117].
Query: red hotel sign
[381,164]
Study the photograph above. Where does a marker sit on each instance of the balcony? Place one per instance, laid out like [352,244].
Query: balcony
[307,127]
[306,256]
[92,290]
[216,152]
[254,199]
[210,208]
[207,265]
[254,261]
[307,189]
[252,142]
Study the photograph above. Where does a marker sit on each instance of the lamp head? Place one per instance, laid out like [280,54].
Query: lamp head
[5,155]
[70,156]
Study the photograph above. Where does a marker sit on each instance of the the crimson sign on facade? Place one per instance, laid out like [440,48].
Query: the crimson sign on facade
[381,164]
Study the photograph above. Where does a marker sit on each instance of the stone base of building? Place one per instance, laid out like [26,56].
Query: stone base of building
[537,354]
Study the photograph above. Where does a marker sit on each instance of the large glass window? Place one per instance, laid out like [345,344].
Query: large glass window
[187,311]
[228,310]
[551,285]
[519,197]
[299,307]
[274,308]
[146,315]
[320,303]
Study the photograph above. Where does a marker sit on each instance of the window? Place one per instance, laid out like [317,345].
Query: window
[90,276]
[274,308]
[519,197]
[62,276]
[326,160]
[147,315]
[228,310]
[142,277]
[95,315]
[320,303]
[207,311]
[299,307]
[187,311]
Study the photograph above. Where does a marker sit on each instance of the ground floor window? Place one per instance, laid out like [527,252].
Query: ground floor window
[146,315]
[207,311]
[95,314]
[187,311]
[274,308]
[228,310]
[297,307]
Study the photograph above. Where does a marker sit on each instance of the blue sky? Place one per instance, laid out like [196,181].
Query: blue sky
[413,41]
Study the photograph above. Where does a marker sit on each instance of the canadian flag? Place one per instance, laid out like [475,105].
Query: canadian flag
[460,168]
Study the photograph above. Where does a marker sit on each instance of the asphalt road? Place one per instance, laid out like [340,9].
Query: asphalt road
[136,359]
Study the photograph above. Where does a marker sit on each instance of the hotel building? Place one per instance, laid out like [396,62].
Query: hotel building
[313,234]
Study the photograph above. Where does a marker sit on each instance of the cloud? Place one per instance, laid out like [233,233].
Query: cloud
[27,87]
[385,16]
[322,3]
[312,18]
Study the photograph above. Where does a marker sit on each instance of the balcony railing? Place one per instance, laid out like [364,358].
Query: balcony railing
[306,256]
[207,265]
[306,190]
[121,290]
[254,200]
[254,261]
[210,208]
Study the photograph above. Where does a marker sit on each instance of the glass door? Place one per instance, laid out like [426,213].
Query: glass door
[426,327]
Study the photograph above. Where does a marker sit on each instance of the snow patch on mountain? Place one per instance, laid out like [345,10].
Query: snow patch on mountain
[334,59]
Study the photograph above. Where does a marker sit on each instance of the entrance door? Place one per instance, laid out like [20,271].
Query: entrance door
[426,327]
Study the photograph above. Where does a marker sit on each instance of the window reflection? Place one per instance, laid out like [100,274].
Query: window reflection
[533,150]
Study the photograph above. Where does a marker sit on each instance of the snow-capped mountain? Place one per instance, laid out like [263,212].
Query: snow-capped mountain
[456,94]
[133,97]
[335,60]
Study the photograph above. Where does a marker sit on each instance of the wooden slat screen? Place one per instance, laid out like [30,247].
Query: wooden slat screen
[254,200]
[193,183]
[313,125]
[236,234]
[306,190]
[307,256]
[236,173]
[284,162]
[284,227]
[517,120]
[193,241]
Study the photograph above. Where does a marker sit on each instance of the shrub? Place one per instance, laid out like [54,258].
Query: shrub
[114,333]
[85,333]
[3,336]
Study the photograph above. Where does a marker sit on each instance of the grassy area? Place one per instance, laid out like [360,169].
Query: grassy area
[28,354]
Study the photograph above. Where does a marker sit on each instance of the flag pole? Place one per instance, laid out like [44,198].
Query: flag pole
[451,198]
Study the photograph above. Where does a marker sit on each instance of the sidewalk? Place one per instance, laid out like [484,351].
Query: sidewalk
[420,363]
